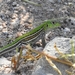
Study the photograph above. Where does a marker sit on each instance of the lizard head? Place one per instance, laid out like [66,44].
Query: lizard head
[52,24]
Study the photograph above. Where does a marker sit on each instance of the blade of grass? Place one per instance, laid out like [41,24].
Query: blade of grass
[53,65]
[42,53]
[32,2]
[72,50]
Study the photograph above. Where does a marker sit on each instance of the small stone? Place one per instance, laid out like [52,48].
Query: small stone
[8,1]
[15,11]
[24,51]
[15,22]
[10,36]
[31,20]
[1,27]
[14,16]
[19,34]
[24,18]
[51,9]
[70,4]
[71,20]
[23,10]
[59,1]
[5,30]
[4,25]
[67,29]
[14,4]
[52,1]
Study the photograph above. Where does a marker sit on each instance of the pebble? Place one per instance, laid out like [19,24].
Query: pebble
[19,34]
[52,1]
[14,16]
[4,25]
[5,30]
[71,20]
[67,29]
[66,32]
[15,22]
[70,4]
[10,36]
[14,4]
[59,1]
[1,27]
[8,1]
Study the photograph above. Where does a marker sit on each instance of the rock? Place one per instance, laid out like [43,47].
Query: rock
[59,1]
[66,31]
[4,25]
[71,20]
[52,1]
[4,61]
[8,1]
[42,67]
[5,31]
[14,4]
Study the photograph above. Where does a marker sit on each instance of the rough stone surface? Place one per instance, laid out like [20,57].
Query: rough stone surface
[42,67]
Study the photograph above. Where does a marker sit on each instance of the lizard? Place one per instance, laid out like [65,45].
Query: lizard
[29,36]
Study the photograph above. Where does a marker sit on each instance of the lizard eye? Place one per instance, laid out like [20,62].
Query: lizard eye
[53,22]
[47,25]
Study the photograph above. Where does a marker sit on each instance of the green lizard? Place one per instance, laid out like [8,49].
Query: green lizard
[29,36]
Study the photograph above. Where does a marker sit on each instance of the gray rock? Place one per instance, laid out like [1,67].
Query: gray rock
[52,1]
[14,4]
[4,61]
[73,0]
[5,31]
[42,67]
[72,20]
[59,1]
[66,31]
